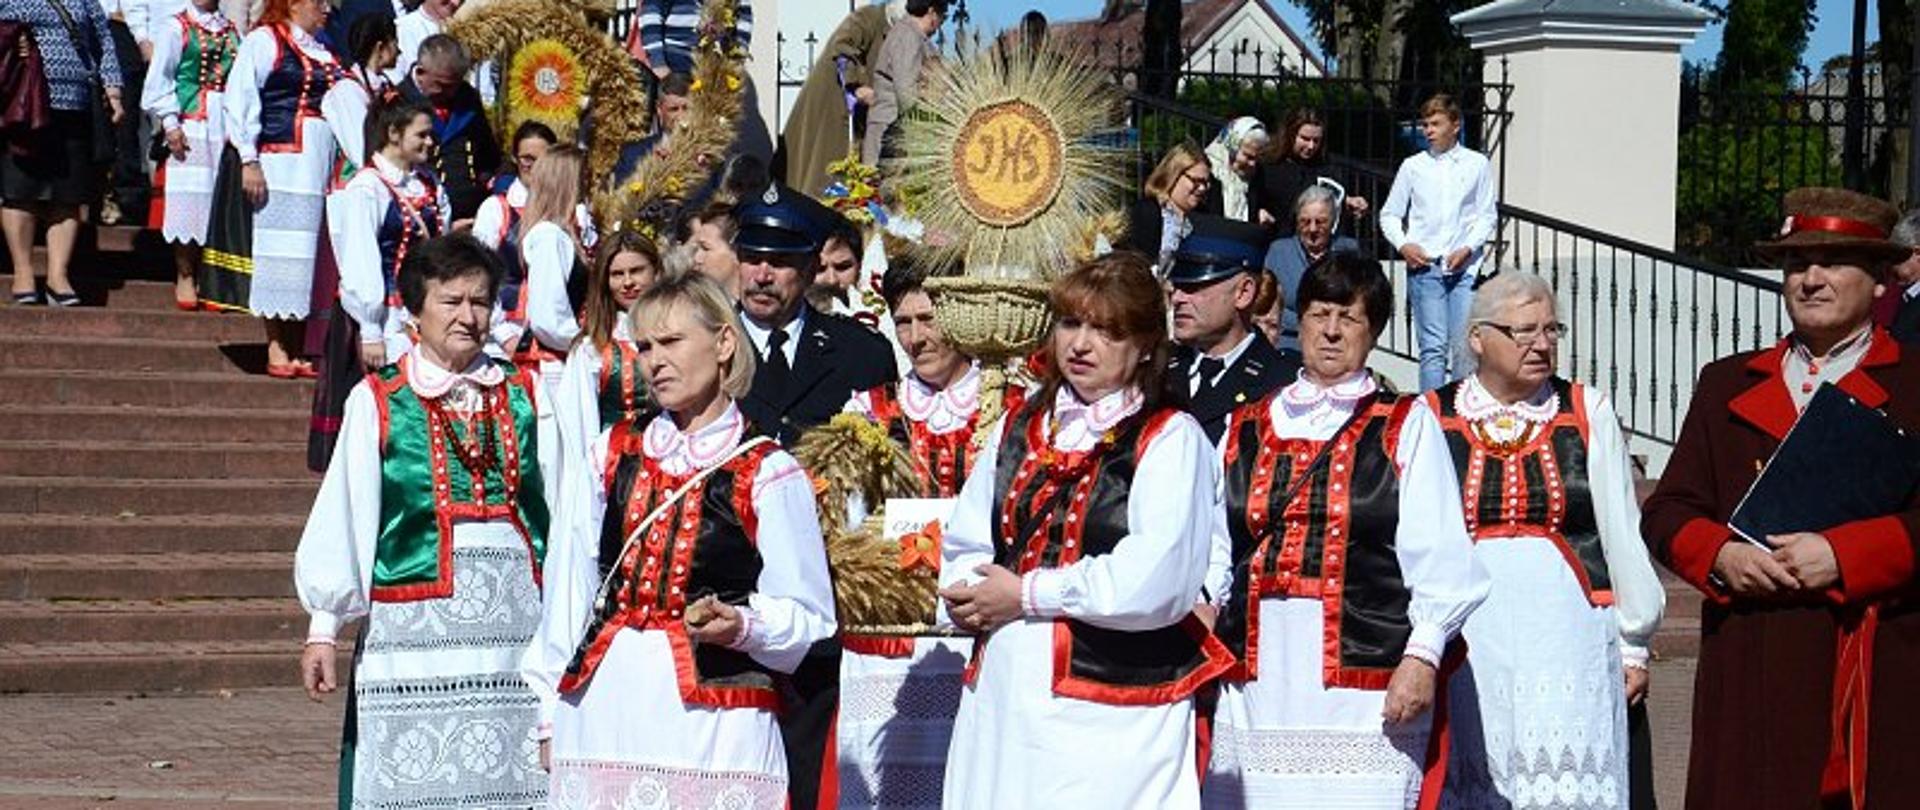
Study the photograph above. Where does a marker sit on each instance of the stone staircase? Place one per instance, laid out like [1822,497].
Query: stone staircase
[152,489]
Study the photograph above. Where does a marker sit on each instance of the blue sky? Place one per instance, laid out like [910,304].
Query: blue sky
[1830,34]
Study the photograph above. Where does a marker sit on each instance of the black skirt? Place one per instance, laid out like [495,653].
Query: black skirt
[338,373]
[225,276]
[60,168]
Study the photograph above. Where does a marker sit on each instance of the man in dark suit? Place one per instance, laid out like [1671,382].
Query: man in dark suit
[811,363]
[465,152]
[1221,362]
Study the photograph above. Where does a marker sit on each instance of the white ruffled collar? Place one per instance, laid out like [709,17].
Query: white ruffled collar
[429,380]
[307,43]
[680,452]
[1078,425]
[212,22]
[1305,395]
[623,328]
[943,410]
[1474,402]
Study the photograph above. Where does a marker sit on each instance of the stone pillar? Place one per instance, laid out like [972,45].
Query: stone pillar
[763,60]
[1596,102]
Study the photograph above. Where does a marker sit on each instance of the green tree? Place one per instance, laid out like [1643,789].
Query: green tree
[1761,45]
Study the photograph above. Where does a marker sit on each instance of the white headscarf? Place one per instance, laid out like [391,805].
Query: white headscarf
[1233,187]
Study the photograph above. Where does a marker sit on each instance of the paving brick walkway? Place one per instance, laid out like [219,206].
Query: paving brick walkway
[275,748]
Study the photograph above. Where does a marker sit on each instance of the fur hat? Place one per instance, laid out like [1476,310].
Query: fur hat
[1836,219]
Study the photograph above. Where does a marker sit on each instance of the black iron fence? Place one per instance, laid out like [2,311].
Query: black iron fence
[1744,145]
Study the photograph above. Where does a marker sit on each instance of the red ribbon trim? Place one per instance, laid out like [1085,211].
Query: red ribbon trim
[1845,774]
[1841,225]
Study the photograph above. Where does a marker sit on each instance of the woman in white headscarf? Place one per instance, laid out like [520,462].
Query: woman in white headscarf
[1235,154]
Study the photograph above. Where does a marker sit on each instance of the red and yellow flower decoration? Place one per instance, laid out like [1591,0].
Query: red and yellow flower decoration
[920,551]
[544,84]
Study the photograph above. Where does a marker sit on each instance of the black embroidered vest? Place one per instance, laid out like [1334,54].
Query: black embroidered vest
[1053,508]
[1541,488]
[703,545]
[1333,542]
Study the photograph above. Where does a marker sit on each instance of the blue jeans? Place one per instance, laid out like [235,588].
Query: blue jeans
[1440,302]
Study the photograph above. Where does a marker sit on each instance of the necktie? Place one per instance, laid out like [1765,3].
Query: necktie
[776,356]
[1210,368]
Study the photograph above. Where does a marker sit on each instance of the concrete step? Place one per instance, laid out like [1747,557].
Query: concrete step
[178,497]
[211,327]
[146,576]
[129,460]
[56,352]
[160,534]
[187,391]
[110,284]
[159,426]
[113,620]
[154,666]
[1679,637]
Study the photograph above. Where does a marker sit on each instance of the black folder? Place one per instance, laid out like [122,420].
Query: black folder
[1841,462]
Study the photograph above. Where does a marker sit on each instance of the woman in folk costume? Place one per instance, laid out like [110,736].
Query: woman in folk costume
[498,222]
[374,47]
[1343,572]
[387,210]
[899,692]
[447,574]
[1559,648]
[834,99]
[602,383]
[285,156]
[539,330]
[689,551]
[1077,551]
[192,52]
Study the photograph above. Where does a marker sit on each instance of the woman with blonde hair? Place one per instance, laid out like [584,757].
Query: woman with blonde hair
[1175,190]
[689,550]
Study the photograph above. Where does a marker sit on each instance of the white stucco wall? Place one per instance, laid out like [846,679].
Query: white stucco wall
[1594,135]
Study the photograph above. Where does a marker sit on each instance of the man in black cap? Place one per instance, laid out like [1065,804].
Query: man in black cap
[1221,361]
[811,363]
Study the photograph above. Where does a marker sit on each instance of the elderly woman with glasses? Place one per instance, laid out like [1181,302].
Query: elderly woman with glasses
[1559,648]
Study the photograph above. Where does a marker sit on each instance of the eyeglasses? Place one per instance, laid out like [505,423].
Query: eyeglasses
[1527,335]
[1202,180]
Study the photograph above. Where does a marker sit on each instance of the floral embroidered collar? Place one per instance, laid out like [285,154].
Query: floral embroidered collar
[212,22]
[680,452]
[1078,425]
[431,381]
[942,410]
[1473,401]
[1305,395]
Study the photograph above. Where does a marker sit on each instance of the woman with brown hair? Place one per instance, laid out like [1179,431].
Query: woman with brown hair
[1299,161]
[1172,194]
[602,384]
[1076,552]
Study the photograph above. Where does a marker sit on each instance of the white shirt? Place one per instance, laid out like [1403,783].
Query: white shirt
[345,107]
[1804,373]
[942,410]
[1226,362]
[354,217]
[1442,203]
[550,258]
[759,334]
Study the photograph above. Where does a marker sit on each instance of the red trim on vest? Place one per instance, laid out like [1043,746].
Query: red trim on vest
[1065,684]
[282,39]
[897,647]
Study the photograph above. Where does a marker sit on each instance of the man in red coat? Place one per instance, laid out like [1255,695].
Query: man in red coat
[1788,711]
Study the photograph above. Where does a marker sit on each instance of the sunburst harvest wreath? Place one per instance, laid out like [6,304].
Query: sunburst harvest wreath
[1007,164]
[553,56]
[649,197]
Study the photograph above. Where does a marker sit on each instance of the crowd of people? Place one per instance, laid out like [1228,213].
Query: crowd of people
[1197,554]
